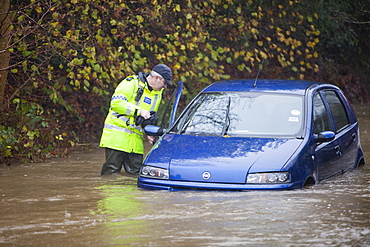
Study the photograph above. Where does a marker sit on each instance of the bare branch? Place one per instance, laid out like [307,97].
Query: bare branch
[351,19]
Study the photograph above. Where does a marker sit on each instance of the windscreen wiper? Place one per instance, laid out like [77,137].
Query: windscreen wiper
[227,120]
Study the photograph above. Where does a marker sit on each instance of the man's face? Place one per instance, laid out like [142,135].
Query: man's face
[159,83]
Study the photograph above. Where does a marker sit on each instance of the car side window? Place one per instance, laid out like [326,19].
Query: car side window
[337,109]
[321,121]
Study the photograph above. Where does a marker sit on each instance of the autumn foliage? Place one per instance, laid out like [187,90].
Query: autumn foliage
[67,56]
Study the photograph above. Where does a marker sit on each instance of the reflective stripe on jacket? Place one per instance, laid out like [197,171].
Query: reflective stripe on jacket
[120,131]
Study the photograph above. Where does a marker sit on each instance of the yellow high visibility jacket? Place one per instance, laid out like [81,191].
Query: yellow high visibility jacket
[120,132]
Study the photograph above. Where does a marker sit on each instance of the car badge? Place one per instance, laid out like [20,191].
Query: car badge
[206,175]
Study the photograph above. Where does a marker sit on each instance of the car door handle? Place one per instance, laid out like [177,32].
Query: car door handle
[337,150]
[354,137]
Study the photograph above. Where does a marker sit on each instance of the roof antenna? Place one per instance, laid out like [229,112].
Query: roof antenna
[258,73]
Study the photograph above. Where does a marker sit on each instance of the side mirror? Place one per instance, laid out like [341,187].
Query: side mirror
[325,136]
[152,130]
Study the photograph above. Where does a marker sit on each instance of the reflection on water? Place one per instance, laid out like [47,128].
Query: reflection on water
[65,202]
[122,211]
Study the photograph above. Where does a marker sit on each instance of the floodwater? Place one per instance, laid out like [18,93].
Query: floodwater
[65,202]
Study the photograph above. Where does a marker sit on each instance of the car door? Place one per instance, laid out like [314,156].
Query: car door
[169,117]
[345,131]
[326,154]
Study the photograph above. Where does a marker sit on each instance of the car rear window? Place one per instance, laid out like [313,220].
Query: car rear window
[243,114]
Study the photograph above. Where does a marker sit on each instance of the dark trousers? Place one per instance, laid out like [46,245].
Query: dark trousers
[116,159]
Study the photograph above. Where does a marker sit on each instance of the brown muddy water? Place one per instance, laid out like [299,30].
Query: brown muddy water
[65,202]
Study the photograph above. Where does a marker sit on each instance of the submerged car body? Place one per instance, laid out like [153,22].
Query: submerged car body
[249,135]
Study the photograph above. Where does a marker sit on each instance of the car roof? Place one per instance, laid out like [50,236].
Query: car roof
[262,85]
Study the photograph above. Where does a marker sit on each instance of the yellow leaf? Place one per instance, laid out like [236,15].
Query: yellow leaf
[68,33]
[281,38]
[316,69]
[54,24]
[177,66]
[38,9]
[254,22]
[263,55]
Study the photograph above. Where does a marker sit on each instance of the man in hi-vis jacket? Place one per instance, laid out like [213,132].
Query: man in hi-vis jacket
[133,105]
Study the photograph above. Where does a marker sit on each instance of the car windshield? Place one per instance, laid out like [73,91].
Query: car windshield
[243,114]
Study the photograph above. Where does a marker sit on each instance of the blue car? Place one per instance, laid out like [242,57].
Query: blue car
[255,135]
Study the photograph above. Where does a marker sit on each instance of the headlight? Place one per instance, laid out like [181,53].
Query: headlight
[154,172]
[269,177]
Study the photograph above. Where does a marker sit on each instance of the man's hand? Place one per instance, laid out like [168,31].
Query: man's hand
[151,139]
[144,113]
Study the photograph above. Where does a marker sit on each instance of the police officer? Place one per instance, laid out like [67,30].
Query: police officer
[136,98]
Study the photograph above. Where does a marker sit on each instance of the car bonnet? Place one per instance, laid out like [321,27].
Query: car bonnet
[219,159]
